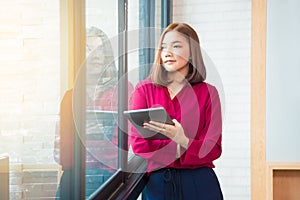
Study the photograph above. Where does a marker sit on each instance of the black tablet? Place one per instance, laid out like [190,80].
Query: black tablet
[138,117]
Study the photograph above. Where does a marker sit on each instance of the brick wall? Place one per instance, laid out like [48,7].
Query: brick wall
[30,92]
[224,27]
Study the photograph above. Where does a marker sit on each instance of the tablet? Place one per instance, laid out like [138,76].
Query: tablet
[138,117]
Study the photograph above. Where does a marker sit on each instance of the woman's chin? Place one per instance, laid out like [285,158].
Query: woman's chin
[170,69]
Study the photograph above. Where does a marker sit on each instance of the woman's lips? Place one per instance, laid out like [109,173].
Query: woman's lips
[170,61]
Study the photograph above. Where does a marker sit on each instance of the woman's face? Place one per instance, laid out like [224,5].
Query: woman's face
[175,53]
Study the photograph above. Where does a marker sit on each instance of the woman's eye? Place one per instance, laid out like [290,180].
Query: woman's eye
[162,47]
[176,46]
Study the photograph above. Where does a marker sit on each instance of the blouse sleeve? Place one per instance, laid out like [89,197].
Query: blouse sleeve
[207,147]
[160,151]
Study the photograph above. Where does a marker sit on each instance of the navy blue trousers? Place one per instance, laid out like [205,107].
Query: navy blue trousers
[183,184]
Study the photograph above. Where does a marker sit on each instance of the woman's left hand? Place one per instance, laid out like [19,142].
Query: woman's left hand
[174,132]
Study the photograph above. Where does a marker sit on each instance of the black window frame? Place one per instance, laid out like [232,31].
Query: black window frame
[122,184]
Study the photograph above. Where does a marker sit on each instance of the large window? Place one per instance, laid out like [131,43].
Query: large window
[118,53]
[30,88]
[67,71]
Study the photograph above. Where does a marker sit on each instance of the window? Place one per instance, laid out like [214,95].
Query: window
[30,88]
[113,62]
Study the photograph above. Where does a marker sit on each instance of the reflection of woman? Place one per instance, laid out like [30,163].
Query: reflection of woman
[101,138]
[181,166]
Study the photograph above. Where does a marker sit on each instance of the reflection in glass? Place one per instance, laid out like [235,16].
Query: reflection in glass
[101,141]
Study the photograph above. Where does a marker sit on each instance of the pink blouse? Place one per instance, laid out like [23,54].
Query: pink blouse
[197,107]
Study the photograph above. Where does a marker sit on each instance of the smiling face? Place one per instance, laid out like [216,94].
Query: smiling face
[175,53]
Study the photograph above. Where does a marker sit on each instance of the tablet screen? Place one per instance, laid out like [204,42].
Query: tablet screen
[138,117]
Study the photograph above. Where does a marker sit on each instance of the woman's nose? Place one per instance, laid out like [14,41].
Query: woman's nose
[168,52]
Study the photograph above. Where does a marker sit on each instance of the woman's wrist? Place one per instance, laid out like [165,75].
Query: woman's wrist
[178,150]
[184,143]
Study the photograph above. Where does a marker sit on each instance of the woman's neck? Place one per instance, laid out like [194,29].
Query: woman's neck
[179,75]
[176,85]
[176,77]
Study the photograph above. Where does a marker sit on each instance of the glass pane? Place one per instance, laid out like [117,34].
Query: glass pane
[30,90]
[101,139]
[144,18]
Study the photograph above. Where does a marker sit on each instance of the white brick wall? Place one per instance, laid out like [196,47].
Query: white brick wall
[29,89]
[224,28]
[30,77]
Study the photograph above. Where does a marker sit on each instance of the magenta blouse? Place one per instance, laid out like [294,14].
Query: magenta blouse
[197,107]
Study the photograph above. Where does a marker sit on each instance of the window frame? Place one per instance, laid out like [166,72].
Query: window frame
[72,18]
[122,184]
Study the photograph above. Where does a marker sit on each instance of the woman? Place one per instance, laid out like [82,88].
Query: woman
[180,167]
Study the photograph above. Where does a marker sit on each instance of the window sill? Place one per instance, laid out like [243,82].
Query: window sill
[124,185]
